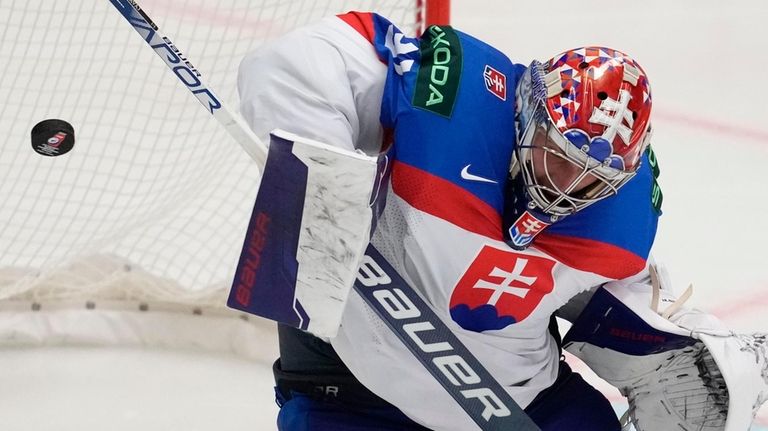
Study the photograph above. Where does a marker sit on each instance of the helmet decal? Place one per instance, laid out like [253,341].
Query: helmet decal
[604,93]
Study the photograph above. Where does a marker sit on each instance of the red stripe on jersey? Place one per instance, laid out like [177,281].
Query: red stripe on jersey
[445,200]
[362,22]
[590,256]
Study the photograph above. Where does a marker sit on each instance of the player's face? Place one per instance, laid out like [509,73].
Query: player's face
[553,171]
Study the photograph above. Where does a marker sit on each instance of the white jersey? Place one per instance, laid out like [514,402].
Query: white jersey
[356,82]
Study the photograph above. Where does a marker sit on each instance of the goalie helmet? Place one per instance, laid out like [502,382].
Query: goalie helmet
[583,123]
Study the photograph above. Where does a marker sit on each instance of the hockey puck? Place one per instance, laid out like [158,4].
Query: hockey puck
[53,137]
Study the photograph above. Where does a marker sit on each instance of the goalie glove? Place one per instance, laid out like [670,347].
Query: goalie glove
[680,369]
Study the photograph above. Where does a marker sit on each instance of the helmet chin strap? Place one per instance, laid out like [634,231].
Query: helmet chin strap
[522,219]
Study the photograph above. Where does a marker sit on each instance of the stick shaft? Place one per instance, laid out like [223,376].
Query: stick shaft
[399,305]
[192,79]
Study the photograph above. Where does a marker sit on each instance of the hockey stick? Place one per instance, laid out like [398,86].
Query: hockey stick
[192,79]
[437,348]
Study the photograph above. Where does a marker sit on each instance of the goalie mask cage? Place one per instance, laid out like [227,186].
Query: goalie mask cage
[133,236]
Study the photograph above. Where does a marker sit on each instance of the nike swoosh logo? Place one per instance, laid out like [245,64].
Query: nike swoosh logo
[467,176]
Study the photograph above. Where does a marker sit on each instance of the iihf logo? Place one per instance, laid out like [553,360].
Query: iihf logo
[57,139]
[522,232]
[52,144]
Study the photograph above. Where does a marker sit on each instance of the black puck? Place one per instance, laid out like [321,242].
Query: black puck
[53,137]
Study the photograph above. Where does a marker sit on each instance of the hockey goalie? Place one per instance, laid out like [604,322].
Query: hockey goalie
[508,195]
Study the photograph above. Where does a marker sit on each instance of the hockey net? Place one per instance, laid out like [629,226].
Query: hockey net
[133,236]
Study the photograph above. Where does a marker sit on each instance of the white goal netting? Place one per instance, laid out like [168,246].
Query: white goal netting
[148,211]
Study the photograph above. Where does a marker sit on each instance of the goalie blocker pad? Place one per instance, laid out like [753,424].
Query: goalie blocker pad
[310,225]
[624,341]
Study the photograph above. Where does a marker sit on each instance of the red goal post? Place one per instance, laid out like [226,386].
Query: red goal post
[437,12]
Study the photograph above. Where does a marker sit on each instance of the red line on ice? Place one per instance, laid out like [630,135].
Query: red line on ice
[712,125]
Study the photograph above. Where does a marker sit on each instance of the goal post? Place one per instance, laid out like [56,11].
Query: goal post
[437,12]
[141,223]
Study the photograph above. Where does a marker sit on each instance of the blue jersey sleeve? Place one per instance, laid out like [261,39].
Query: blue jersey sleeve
[450,100]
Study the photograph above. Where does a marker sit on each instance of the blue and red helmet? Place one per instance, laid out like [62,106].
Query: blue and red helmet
[590,107]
